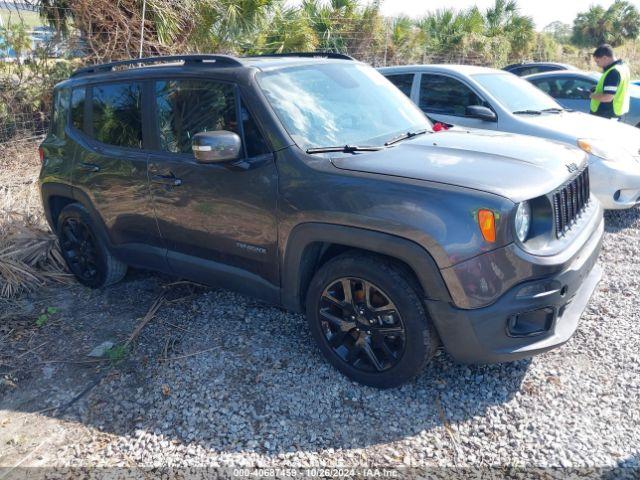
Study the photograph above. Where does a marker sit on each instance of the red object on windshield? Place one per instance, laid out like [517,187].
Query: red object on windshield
[438,127]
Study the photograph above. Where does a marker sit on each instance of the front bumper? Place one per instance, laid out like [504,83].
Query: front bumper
[486,335]
[615,184]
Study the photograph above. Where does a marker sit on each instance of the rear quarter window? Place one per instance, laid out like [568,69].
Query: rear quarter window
[61,101]
[78,96]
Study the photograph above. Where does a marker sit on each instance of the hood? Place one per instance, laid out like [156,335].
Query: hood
[517,167]
[583,125]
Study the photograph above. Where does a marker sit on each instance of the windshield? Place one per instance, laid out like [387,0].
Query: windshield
[515,93]
[339,104]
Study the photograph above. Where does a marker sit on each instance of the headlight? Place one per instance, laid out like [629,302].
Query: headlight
[523,221]
[603,149]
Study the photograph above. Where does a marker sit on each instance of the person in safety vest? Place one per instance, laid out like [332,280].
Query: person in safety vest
[611,96]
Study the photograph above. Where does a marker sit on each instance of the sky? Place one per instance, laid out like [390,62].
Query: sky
[543,12]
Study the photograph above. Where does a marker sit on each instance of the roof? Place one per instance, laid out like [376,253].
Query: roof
[533,64]
[444,67]
[211,61]
[267,63]
[562,73]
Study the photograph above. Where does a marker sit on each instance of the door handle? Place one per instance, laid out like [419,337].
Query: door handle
[89,167]
[171,180]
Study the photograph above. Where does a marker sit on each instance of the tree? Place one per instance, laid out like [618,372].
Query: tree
[15,38]
[561,32]
[504,20]
[620,22]
[230,26]
[471,36]
[289,31]
[113,30]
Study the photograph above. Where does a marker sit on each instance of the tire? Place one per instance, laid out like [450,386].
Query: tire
[399,358]
[87,257]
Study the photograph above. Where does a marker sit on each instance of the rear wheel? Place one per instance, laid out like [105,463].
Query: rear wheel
[86,255]
[369,321]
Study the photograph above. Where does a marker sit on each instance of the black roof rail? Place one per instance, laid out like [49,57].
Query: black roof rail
[219,60]
[341,56]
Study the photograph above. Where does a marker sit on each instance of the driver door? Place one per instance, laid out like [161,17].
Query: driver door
[445,99]
[218,220]
[573,93]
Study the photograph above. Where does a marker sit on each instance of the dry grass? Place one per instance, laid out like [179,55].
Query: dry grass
[29,255]
[629,52]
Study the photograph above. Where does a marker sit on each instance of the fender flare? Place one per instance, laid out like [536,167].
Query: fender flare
[49,190]
[304,235]
[52,189]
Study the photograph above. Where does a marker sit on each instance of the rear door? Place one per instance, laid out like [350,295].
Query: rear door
[445,99]
[110,167]
[218,220]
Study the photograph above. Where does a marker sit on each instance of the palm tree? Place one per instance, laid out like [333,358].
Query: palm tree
[620,22]
[289,31]
[448,33]
[504,20]
[233,26]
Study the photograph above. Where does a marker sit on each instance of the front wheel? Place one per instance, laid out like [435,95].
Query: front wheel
[369,320]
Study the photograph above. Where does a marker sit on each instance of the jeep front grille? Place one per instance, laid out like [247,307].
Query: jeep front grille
[569,201]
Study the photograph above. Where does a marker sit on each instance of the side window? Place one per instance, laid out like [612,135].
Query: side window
[547,68]
[547,86]
[77,108]
[574,88]
[445,95]
[60,112]
[253,139]
[521,71]
[403,82]
[116,114]
[186,107]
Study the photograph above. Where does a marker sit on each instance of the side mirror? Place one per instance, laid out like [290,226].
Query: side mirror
[216,147]
[481,113]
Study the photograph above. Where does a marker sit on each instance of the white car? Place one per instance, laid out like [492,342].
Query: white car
[492,99]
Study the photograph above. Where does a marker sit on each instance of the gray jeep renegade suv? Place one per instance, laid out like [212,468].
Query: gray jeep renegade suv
[313,183]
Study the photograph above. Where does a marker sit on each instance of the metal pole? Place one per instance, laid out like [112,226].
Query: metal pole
[144,11]
[386,39]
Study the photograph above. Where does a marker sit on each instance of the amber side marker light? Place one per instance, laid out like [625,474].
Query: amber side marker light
[487,222]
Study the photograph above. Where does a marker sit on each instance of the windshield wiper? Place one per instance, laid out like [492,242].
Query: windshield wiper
[343,149]
[554,110]
[404,136]
[527,112]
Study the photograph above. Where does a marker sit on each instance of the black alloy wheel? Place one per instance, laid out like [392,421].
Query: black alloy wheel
[87,257]
[366,313]
[78,246]
[362,325]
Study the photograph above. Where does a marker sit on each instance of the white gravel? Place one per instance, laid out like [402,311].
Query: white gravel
[265,397]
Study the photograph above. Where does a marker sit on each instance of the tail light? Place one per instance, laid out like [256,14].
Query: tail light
[41,153]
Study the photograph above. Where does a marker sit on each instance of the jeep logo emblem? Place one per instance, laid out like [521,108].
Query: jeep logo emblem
[572,167]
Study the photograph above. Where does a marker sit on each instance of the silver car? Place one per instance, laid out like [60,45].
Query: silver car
[571,89]
[487,98]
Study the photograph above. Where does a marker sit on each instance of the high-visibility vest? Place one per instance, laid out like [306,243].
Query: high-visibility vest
[621,97]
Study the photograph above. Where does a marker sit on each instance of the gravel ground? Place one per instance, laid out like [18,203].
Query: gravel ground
[218,380]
